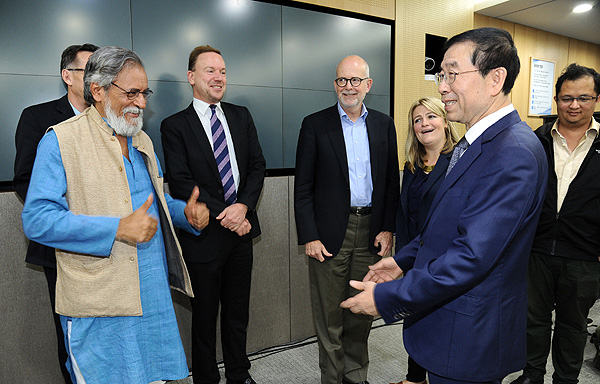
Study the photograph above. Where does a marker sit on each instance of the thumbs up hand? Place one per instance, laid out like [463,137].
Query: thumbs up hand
[139,227]
[195,211]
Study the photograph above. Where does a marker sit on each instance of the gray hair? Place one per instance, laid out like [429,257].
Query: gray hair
[104,66]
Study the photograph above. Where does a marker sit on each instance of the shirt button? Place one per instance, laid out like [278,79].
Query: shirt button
[120,169]
[113,138]
[125,201]
[132,259]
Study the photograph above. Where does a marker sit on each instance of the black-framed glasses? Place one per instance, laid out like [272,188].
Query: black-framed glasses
[76,69]
[133,93]
[584,99]
[450,76]
[354,81]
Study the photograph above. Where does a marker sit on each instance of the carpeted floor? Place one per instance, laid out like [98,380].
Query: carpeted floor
[297,363]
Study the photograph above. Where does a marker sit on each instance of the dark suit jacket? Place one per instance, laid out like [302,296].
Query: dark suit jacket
[322,184]
[434,180]
[190,161]
[467,291]
[34,122]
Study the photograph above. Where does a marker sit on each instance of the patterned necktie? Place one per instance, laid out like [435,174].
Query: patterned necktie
[460,148]
[222,156]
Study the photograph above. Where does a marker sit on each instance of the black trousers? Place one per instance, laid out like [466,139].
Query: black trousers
[570,288]
[225,280]
[50,274]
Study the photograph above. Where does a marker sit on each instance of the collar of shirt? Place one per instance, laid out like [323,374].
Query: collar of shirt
[483,124]
[75,110]
[593,130]
[203,108]
[344,115]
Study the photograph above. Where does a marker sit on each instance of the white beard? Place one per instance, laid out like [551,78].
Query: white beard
[120,124]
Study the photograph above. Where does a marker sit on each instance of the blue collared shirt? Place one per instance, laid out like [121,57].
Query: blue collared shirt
[358,156]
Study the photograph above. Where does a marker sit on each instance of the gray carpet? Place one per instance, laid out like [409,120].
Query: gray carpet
[298,363]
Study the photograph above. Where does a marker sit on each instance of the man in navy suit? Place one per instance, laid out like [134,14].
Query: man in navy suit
[464,302]
[227,164]
[345,198]
[33,124]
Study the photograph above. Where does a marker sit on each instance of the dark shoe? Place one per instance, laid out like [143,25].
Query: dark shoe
[524,380]
[247,381]
[360,382]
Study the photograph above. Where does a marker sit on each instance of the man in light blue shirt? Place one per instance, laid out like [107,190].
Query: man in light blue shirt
[345,197]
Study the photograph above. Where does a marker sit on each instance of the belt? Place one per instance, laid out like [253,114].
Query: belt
[361,210]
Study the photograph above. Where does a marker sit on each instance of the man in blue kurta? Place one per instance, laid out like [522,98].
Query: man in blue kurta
[96,195]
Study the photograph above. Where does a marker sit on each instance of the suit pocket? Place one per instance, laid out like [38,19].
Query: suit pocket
[465,305]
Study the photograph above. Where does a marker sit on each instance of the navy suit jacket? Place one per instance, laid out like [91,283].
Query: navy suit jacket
[322,182]
[34,122]
[466,295]
[434,180]
[190,162]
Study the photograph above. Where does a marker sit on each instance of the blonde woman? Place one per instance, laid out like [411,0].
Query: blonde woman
[429,143]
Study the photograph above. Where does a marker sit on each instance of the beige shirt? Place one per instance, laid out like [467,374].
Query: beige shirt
[567,163]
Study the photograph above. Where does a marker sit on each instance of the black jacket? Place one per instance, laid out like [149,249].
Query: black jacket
[322,183]
[34,122]
[574,232]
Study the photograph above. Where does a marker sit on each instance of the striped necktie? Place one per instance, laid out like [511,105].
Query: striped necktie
[222,156]
[460,148]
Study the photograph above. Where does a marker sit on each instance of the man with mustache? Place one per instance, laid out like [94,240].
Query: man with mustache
[96,195]
[345,199]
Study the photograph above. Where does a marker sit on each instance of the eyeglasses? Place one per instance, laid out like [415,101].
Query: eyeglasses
[354,81]
[449,77]
[133,93]
[585,99]
[75,69]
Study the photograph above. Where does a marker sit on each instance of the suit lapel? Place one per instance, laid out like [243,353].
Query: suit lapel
[438,171]
[198,132]
[470,155]
[406,180]
[333,127]
[373,133]
[63,109]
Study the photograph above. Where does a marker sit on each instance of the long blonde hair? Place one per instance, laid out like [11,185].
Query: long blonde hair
[415,151]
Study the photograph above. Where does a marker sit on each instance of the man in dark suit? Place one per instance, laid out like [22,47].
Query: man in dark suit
[464,302]
[345,199]
[214,145]
[33,124]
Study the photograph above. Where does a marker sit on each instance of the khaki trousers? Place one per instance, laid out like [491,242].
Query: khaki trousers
[342,335]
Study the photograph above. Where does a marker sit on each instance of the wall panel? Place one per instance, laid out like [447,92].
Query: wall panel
[379,8]
[415,18]
[539,44]
[267,48]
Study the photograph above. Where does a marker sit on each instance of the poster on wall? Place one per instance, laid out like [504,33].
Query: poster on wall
[541,81]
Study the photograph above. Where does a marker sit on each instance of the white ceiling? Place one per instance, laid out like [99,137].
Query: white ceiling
[554,16]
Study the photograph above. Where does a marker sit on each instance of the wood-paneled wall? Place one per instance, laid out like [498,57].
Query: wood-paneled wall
[532,42]
[378,8]
[415,18]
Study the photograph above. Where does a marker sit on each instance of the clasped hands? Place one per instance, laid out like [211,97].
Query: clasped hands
[140,227]
[364,302]
[234,218]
